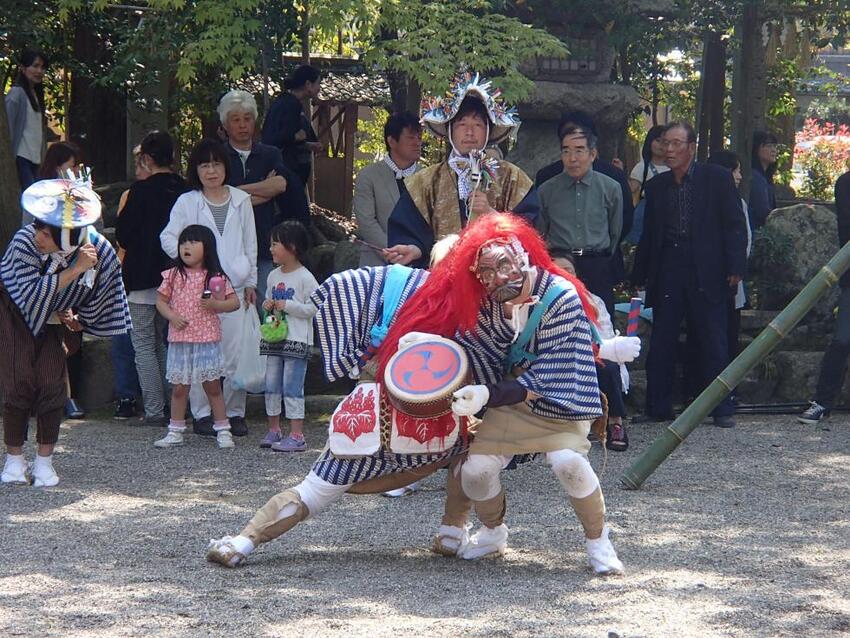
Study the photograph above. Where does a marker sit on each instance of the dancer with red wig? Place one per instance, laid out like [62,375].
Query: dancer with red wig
[523,322]
[473,296]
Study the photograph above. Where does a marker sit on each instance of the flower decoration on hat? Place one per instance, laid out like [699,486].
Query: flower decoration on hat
[63,203]
[438,111]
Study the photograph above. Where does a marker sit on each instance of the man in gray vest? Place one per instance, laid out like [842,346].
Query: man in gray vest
[379,185]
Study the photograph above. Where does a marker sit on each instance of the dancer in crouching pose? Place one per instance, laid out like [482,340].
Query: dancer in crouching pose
[530,348]
[474,314]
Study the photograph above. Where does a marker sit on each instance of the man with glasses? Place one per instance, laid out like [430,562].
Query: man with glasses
[582,213]
[690,258]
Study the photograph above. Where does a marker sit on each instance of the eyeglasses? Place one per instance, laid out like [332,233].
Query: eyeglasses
[674,143]
[575,152]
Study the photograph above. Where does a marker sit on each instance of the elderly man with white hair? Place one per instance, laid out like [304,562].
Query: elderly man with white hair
[258,169]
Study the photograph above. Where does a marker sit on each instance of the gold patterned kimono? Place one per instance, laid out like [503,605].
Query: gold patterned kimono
[431,207]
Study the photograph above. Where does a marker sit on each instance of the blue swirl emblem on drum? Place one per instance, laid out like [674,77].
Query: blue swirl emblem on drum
[425,368]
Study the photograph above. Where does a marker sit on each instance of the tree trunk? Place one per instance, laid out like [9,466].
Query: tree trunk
[712,96]
[305,33]
[97,116]
[749,86]
[10,186]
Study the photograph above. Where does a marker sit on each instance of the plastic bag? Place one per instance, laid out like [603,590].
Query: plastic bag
[250,372]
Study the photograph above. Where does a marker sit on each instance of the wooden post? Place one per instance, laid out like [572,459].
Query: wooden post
[350,124]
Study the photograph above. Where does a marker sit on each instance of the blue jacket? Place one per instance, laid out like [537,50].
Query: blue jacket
[291,204]
[718,233]
[762,198]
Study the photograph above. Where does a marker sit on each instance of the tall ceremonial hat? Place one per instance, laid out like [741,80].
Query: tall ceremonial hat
[438,111]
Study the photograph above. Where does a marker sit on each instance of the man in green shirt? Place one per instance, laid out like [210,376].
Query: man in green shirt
[582,213]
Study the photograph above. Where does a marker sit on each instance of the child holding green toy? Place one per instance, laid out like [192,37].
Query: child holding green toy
[287,335]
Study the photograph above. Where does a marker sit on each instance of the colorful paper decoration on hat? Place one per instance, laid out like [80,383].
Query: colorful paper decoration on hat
[437,112]
[62,203]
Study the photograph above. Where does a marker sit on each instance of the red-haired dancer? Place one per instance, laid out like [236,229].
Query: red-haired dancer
[537,396]
[480,295]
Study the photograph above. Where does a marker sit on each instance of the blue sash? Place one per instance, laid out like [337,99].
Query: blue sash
[394,284]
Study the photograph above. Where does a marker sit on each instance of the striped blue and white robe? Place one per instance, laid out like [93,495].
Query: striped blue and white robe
[349,304]
[563,369]
[32,281]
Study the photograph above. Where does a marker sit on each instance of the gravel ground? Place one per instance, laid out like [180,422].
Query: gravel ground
[742,532]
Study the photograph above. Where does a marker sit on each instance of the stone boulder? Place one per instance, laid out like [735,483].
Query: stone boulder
[795,243]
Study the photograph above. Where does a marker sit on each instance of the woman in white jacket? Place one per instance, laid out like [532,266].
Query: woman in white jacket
[227,211]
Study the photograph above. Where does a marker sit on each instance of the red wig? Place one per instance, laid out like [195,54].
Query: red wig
[452,296]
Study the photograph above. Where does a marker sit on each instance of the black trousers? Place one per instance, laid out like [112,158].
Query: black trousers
[833,367]
[679,297]
[597,275]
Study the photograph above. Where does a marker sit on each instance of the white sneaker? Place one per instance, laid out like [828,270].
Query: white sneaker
[15,470]
[407,489]
[485,543]
[450,539]
[223,552]
[601,555]
[224,439]
[172,439]
[43,474]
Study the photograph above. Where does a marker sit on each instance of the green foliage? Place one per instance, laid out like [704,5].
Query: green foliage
[822,153]
[438,38]
[830,109]
[370,139]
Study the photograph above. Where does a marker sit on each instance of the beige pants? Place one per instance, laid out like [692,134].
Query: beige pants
[479,480]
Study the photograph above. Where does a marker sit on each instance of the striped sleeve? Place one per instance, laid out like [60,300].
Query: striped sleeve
[35,294]
[564,371]
[347,307]
[103,311]
[349,304]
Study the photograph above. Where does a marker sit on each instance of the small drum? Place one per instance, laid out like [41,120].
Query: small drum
[421,379]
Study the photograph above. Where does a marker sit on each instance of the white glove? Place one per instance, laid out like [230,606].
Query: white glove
[470,399]
[354,373]
[414,337]
[620,349]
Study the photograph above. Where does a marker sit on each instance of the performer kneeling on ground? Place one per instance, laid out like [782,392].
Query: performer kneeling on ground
[540,398]
[58,274]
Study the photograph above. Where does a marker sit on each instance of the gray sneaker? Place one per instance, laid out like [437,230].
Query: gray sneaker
[813,414]
[290,445]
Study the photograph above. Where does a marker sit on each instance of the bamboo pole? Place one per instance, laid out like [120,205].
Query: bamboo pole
[776,330]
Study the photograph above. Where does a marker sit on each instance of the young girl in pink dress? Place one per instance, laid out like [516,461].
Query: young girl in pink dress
[194,330]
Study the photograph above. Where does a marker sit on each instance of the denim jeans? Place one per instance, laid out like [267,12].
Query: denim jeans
[285,377]
[126,381]
[264,268]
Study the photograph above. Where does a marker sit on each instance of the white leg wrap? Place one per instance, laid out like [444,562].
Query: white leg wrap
[479,476]
[574,472]
[317,494]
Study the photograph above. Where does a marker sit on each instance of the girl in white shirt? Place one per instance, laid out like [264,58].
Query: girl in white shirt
[288,291]
[651,164]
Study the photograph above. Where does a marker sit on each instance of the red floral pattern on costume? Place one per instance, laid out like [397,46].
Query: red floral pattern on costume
[425,430]
[356,414]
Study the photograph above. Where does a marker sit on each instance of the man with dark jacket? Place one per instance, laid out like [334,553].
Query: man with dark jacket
[833,367]
[259,170]
[690,258]
[583,120]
